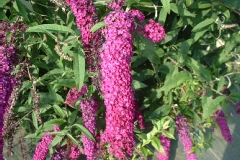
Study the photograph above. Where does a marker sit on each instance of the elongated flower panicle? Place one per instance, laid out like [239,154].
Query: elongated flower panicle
[139,116]
[116,83]
[137,14]
[86,18]
[89,107]
[73,95]
[60,154]
[42,147]
[165,142]
[74,152]
[154,31]
[116,4]
[183,133]
[7,60]
[222,123]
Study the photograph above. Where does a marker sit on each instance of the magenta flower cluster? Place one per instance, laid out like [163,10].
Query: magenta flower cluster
[116,83]
[74,152]
[137,14]
[7,56]
[154,31]
[116,4]
[139,116]
[165,142]
[183,133]
[86,17]
[73,95]
[60,153]
[222,123]
[42,147]
[89,107]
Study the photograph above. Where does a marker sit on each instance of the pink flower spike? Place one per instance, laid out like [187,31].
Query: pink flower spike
[222,123]
[165,142]
[73,95]
[89,107]
[183,133]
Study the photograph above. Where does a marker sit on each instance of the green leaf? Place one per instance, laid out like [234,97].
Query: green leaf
[22,10]
[70,83]
[2,13]
[161,111]
[157,144]
[145,151]
[33,135]
[72,138]
[168,134]
[72,117]
[34,120]
[179,9]
[97,26]
[146,48]
[184,48]
[162,16]
[22,108]
[210,105]
[27,4]
[200,33]
[143,75]
[175,81]
[50,124]
[57,139]
[221,83]
[52,93]
[60,133]
[130,2]
[202,24]
[199,69]
[137,85]
[59,111]
[170,36]
[79,68]
[3,3]
[200,5]
[85,131]
[51,28]
[166,5]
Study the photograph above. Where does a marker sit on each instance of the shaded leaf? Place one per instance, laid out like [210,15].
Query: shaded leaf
[3,3]
[221,84]
[59,111]
[84,131]
[50,28]
[72,138]
[137,84]
[210,105]
[202,24]
[22,10]
[97,26]
[79,68]
[175,81]
[199,69]
[166,5]
[157,144]
[34,120]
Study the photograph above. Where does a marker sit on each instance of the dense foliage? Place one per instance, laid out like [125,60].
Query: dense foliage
[115,79]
